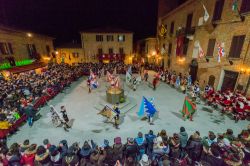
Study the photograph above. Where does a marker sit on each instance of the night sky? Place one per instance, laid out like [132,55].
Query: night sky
[63,19]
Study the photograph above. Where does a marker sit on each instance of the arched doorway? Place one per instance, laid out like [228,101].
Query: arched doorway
[211,80]
[193,69]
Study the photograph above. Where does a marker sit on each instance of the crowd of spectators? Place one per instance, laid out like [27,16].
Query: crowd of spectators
[150,149]
[232,103]
[21,94]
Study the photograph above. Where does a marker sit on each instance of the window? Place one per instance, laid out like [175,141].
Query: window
[121,38]
[100,52]
[169,49]
[110,38]
[236,46]
[99,38]
[75,55]
[189,22]
[210,47]
[110,50]
[218,10]
[6,48]
[32,50]
[172,27]
[185,46]
[245,6]
[48,49]
[121,50]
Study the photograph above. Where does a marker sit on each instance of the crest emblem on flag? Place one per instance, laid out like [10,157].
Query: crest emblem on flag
[163,31]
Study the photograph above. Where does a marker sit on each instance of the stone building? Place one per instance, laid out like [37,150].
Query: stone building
[70,53]
[18,45]
[147,51]
[107,44]
[189,33]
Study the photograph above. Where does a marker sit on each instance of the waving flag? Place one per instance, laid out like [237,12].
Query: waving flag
[235,5]
[163,31]
[201,52]
[109,76]
[188,108]
[117,83]
[146,107]
[206,15]
[128,75]
[221,52]
[92,75]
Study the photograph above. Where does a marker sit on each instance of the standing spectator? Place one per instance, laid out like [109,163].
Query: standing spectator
[175,146]
[13,156]
[86,150]
[141,143]
[55,156]
[98,156]
[71,158]
[63,148]
[24,146]
[46,143]
[109,153]
[131,150]
[229,135]
[194,147]
[150,143]
[144,161]
[183,140]
[42,157]
[28,157]
[117,149]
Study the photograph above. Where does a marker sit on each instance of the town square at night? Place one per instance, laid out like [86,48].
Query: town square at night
[125,83]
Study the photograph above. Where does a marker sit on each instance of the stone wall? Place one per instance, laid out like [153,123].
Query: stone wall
[230,25]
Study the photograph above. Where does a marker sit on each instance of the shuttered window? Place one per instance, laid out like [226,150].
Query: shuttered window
[169,49]
[172,27]
[218,10]
[245,6]
[236,46]
[210,47]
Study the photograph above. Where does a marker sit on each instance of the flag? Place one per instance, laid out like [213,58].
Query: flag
[91,75]
[128,77]
[206,15]
[188,108]
[108,76]
[235,5]
[107,112]
[163,31]
[94,84]
[179,45]
[146,107]
[200,52]
[117,82]
[130,70]
[221,52]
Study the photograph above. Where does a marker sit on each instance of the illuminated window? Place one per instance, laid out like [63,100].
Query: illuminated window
[121,38]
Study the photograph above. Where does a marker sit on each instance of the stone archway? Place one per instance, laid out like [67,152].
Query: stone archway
[211,80]
[193,69]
